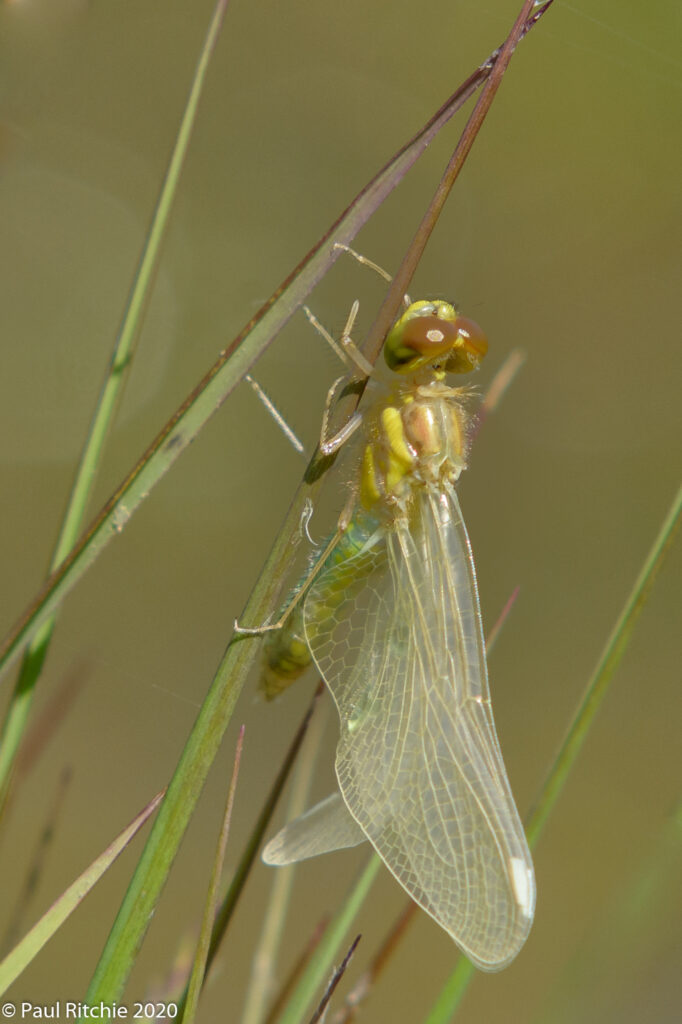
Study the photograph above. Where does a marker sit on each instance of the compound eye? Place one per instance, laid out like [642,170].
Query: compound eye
[432,333]
[419,337]
[470,347]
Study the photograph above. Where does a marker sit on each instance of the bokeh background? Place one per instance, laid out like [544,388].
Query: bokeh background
[562,237]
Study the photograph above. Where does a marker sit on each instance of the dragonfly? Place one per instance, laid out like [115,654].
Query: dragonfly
[389,614]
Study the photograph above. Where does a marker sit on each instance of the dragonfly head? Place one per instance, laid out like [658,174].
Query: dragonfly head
[432,333]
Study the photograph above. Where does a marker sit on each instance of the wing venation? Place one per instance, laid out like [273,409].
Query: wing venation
[418,761]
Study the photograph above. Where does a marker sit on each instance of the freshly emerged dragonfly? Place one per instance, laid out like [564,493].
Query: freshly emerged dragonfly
[390,616]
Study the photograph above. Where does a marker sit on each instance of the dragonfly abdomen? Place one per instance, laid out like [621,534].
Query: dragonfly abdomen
[286,654]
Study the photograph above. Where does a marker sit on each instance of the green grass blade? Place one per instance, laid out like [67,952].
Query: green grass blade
[455,987]
[602,675]
[152,870]
[201,956]
[25,951]
[144,891]
[233,363]
[263,963]
[34,656]
[150,875]
[203,743]
[319,968]
[497,388]
[452,993]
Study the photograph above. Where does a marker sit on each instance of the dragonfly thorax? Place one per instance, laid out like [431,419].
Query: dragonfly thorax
[416,439]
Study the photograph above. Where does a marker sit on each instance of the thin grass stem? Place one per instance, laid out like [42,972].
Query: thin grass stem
[19,708]
[152,871]
[454,989]
[201,956]
[319,967]
[233,363]
[266,952]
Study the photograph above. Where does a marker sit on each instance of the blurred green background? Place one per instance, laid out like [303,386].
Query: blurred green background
[562,237]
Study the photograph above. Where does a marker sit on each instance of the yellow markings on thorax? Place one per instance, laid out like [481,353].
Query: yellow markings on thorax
[386,462]
[400,458]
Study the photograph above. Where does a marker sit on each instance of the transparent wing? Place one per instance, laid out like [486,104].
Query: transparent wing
[325,827]
[400,646]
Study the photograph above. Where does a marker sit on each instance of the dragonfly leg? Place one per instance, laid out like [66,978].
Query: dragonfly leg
[321,329]
[275,413]
[350,348]
[254,630]
[347,351]
[330,443]
[364,261]
[371,265]
[300,592]
[345,348]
